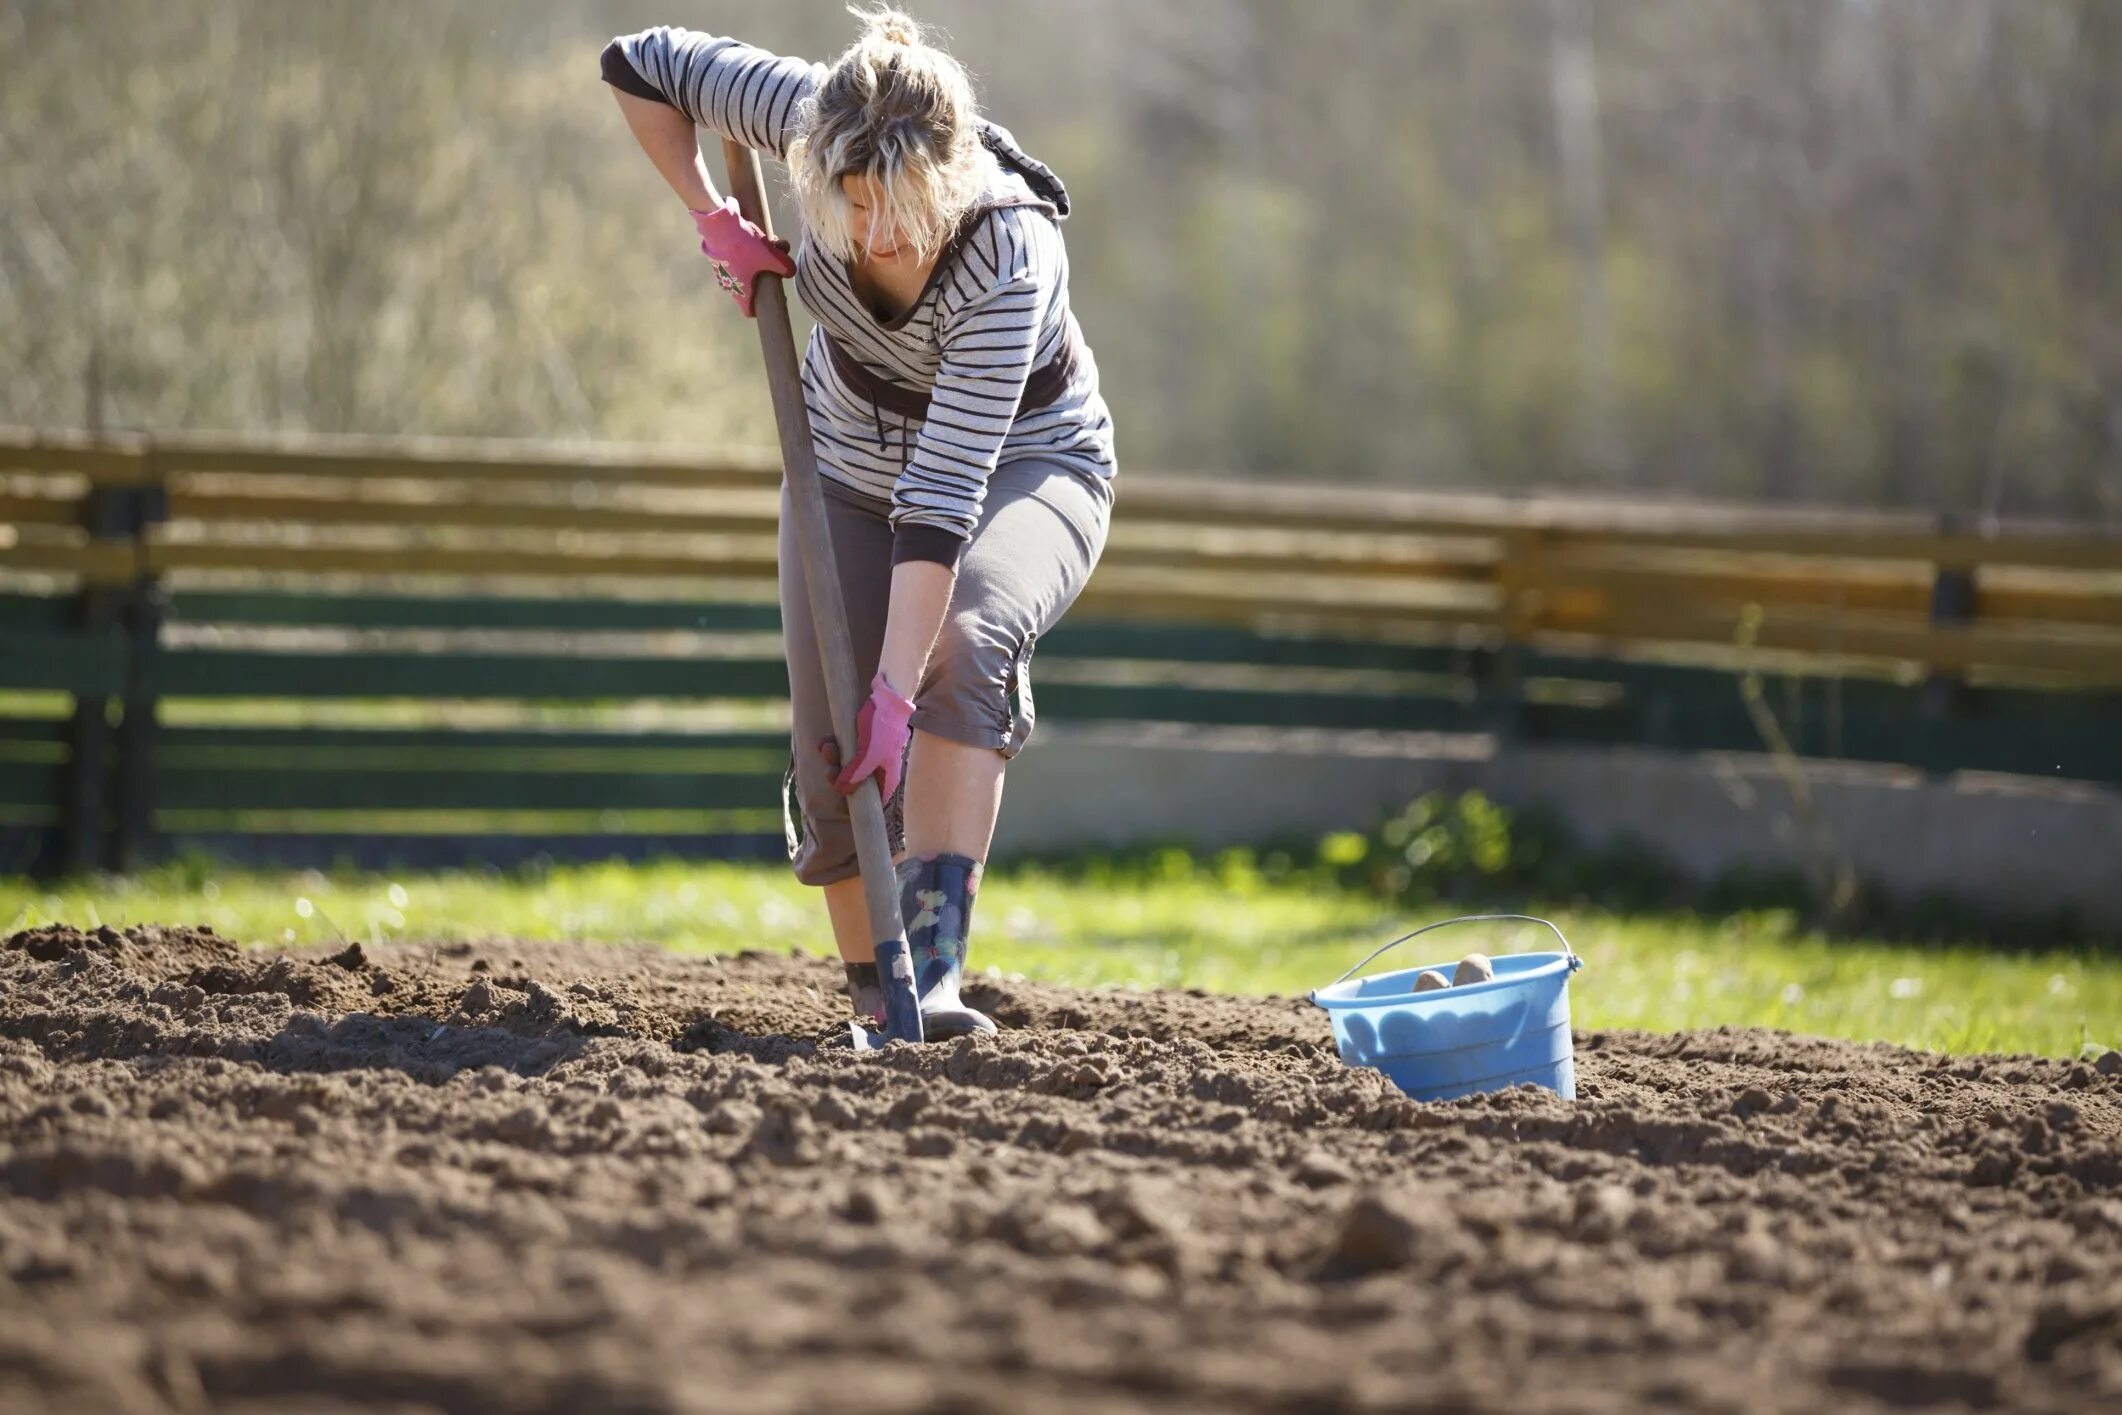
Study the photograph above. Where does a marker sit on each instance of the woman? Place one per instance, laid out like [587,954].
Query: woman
[966,454]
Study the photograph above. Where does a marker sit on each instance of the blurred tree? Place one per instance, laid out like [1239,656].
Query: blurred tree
[1856,250]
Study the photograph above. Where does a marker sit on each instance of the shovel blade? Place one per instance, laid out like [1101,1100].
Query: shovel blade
[902,1007]
[866,1038]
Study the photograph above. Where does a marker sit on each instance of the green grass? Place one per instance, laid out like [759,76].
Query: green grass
[1196,926]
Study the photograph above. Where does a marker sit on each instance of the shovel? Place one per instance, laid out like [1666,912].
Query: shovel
[821,573]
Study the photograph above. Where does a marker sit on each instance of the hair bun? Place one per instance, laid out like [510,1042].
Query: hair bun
[891,26]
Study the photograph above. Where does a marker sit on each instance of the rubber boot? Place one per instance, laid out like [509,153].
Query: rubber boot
[936,900]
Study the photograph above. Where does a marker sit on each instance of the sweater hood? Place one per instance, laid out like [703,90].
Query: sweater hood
[1042,179]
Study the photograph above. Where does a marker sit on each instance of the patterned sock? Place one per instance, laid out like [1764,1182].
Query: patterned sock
[866,990]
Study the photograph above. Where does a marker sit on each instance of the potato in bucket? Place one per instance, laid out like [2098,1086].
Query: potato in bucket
[1484,1035]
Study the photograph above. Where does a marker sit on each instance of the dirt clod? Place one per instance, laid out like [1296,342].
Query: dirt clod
[784,1136]
[1377,1232]
[557,1177]
[1320,1170]
[1752,1101]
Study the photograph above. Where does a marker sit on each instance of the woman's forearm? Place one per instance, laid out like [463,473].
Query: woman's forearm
[667,136]
[921,591]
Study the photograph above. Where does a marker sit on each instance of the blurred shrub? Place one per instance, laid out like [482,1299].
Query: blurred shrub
[1466,850]
[1441,847]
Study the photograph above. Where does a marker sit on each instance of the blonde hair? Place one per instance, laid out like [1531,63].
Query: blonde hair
[900,111]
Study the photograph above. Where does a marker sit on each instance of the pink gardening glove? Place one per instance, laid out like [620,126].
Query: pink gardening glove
[882,730]
[740,251]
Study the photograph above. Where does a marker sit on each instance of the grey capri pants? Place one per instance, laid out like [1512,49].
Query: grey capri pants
[1042,528]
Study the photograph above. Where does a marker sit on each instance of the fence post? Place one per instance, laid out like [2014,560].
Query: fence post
[1499,671]
[88,731]
[88,734]
[1954,596]
[133,842]
[105,515]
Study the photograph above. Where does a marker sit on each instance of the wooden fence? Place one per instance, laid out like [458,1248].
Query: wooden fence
[341,650]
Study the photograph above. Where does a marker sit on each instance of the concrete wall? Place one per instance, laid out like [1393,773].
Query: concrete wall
[2012,845]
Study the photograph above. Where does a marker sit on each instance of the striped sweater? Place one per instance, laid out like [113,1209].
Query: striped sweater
[970,341]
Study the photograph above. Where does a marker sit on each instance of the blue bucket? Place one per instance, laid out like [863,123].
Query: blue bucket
[1451,1042]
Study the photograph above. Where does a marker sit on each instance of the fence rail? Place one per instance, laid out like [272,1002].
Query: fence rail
[183,613]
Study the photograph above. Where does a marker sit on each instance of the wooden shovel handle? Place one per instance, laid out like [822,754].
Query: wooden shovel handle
[845,687]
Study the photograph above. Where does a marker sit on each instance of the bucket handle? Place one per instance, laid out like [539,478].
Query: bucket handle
[1574,961]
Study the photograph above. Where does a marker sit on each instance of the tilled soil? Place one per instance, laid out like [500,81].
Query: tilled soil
[560,1178]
